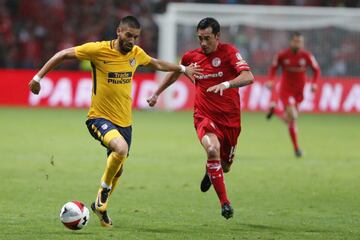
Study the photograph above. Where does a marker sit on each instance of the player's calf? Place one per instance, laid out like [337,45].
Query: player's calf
[115,180]
[216,175]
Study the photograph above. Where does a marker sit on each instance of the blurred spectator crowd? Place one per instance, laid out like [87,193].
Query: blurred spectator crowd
[32,31]
[337,50]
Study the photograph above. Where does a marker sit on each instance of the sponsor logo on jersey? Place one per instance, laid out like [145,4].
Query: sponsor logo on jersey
[216,62]
[104,126]
[210,75]
[132,62]
[119,77]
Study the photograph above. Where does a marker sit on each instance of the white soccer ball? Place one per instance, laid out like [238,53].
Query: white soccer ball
[74,215]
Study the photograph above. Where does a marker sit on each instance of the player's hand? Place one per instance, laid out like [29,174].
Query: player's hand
[191,70]
[219,88]
[34,86]
[313,87]
[152,100]
[269,85]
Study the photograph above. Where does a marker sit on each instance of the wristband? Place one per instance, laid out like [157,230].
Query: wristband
[182,68]
[36,78]
[226,84]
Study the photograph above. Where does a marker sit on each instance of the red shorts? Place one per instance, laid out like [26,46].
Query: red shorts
[291,99]
[227,136]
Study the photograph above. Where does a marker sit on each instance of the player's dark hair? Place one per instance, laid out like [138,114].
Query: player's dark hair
[131,21]
[209,22]
[295,34]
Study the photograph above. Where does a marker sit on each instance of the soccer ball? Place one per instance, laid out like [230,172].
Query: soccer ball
[74,215]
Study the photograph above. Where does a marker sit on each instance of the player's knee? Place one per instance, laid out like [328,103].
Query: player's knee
[295,115]
[291,117]
[212,152]
[119,146]
[120,149]
[287,119]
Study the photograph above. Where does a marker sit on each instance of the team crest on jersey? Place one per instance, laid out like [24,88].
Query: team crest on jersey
[216,62]
[238,56]
[132,62]
[302,61]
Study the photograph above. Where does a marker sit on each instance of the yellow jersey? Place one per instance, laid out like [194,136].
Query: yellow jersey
[112,74]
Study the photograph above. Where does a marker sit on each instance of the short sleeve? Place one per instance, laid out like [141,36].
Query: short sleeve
[236,60]
[142,57]
[87,51]
[185,60]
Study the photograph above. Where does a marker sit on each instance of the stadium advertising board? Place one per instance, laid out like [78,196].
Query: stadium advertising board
[73,89]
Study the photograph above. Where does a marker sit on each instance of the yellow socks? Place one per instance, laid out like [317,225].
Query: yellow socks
[114,163]
[116,179]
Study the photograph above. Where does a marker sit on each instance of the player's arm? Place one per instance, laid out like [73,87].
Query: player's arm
[316,72]
[272,72]
[169,79]
[243,79]
[164,66]
[55,60]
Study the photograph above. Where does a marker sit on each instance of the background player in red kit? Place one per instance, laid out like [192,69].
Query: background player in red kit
[293,62]
[217,103]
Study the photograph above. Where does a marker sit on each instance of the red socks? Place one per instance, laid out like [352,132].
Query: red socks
[293,134]
[216,175]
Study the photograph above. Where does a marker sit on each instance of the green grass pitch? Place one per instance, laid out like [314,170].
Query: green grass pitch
[47,158]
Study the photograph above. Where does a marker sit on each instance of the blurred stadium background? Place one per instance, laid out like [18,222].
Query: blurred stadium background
[48,158]
[32,31]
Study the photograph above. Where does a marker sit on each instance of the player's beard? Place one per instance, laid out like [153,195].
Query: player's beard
[125,47]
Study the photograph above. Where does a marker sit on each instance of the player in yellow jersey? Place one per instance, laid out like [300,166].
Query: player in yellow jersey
[109,118]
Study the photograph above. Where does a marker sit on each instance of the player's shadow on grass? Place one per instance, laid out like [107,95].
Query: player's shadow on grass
[44,234]
[242,227]
[259,227]
[158,230]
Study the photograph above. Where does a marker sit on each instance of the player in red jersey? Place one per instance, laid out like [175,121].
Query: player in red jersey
[217,103]
[293,62]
